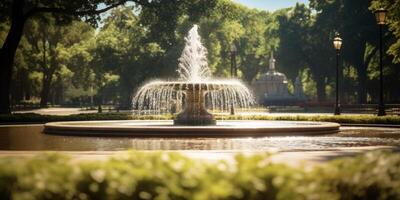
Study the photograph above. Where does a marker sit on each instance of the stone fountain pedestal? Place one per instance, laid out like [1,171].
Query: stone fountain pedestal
[194,112]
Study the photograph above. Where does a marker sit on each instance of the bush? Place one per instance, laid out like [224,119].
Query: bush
[38,118]
[139,175]
[343,119]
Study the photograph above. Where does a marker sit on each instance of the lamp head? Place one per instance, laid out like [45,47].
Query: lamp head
[337,42]
[380,16]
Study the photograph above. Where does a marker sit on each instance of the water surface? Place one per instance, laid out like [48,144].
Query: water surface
[30,137]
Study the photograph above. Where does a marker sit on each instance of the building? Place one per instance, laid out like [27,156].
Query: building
[271,88]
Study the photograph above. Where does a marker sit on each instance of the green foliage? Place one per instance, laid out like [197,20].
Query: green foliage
[250,30]
[344,119]
[122,49]
[393,20]
[37,118]
[304,47]
[138,175]
[143,40]
[50,58]
[372,176]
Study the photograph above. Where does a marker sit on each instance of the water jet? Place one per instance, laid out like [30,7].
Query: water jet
[195,87]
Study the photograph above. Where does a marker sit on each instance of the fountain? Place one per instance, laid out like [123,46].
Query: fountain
[195,91]
[196,84]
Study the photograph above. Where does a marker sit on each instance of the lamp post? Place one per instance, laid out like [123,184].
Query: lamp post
[233,69]
[337,44]
[380,15]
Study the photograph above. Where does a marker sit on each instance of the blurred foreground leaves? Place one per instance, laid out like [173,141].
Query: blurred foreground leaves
[140,175]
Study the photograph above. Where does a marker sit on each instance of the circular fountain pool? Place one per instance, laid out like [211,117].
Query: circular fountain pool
[165,128]
[31,138]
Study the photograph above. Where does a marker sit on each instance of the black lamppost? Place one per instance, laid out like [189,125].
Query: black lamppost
[337,43]
[233,69]
[380,15]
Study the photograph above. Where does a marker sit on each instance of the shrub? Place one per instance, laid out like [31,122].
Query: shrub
[38,118]
[343,119]
[139,175]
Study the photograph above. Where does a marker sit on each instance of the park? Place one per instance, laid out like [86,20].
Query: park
[193,99]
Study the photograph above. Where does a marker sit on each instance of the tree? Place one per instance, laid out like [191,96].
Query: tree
[303,44]
[219,30]
[292,28]
[51,44]
[252,46]
[357,26]
[19,11]
[135,51]
[393,19]
[250,30]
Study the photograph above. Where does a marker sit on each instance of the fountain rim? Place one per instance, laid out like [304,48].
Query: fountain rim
[302,128]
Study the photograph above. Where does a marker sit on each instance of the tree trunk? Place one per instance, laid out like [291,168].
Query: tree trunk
[321,93]
[44,94]
[59,91]
[126,98]
[361,66]
[7,54]
[25,85]
[49,71]
[362,83]
[48,79]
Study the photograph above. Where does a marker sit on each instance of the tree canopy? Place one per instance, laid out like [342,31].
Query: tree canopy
[67,53]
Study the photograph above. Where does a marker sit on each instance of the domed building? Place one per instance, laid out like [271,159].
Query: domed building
[271,88]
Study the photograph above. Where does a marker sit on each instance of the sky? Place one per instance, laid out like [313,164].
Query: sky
[269,5]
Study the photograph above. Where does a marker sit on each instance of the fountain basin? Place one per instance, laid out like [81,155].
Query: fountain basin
[166,128]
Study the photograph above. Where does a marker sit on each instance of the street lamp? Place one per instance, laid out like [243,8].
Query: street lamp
[380,15]
[337,44]
[233,69]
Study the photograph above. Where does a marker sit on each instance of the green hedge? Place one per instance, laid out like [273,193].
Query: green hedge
[348,119]
[38,118]
[162,176]
[344,119]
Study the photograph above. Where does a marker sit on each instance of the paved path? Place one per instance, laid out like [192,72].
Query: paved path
[57,111]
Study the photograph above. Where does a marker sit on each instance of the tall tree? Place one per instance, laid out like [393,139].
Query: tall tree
[303,44]
[136,47]
[250,30]
[393,20]
[50,43]
[357,27]
[18,12]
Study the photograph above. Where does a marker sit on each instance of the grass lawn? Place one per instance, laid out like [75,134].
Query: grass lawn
[344,119]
